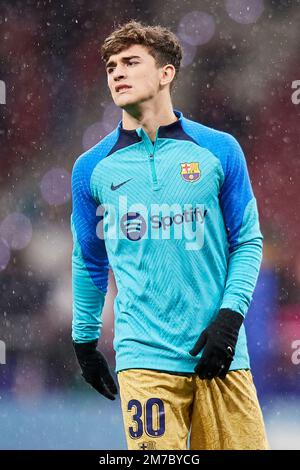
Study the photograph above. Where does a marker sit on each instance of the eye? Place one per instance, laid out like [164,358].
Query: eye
[132,62]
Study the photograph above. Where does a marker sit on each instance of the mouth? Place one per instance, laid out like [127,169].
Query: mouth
[122,88]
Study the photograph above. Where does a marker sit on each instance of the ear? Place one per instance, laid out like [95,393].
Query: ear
[167,74]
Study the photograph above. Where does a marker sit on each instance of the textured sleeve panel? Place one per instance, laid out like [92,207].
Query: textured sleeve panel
[85,222]
[241,219]
[244,262]
[88,300]
[236,191]
[90,264]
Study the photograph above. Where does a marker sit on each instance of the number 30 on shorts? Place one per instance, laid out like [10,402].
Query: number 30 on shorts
[152,421]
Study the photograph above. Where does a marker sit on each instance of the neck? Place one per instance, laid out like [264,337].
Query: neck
[149,116]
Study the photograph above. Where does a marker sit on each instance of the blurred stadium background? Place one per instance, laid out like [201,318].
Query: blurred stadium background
[242,59]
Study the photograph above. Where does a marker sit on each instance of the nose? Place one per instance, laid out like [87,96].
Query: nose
[119,73]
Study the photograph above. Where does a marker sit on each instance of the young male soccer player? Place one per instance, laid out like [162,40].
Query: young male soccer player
[168,204]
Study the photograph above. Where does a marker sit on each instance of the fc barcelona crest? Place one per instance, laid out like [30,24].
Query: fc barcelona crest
[190,172]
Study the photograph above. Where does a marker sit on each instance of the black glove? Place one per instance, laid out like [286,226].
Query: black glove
[218,340]
[95,369]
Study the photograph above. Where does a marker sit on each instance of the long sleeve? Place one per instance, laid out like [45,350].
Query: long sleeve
[89,258]
[243,232]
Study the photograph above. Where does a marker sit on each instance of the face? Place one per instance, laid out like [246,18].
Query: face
[133,76]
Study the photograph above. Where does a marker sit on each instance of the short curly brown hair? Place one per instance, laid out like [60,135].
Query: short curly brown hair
[161,43]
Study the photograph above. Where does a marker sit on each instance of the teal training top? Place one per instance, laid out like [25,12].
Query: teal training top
[177,222]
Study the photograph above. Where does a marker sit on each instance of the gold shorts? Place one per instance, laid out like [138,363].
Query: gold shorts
[163,411]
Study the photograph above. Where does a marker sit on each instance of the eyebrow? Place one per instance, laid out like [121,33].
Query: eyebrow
[124,59]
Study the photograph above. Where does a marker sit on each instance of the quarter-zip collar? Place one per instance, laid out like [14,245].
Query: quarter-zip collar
[169,130]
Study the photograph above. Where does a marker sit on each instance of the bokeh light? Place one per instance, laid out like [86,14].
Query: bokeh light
[244,11]
[56,186]
[196,28]
[16,231]
[4,255]
[94,133]
[189,53]
[50,251]
[112,115]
